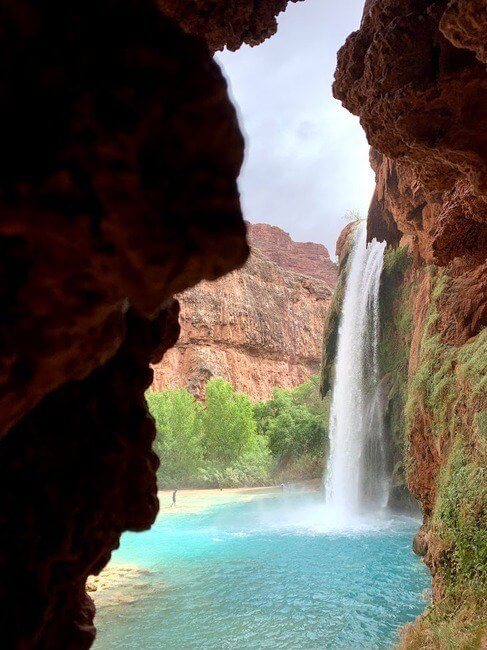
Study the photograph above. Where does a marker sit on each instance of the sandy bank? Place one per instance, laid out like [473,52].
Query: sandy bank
[118,584]
[195,501]
[123,584]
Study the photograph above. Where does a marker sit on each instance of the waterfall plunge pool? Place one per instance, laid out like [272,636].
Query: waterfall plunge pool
[275,572]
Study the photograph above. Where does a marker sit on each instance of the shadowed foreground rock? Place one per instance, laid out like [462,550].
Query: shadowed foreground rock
[120,153]
[118,168]
[75,473]
[117,183]
[229,23]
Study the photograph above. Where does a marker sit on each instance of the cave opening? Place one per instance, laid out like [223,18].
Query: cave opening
[120,189]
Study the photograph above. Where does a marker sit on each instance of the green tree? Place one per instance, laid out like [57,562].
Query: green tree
[178,420]
[228,423]
[296,424]
[230,441]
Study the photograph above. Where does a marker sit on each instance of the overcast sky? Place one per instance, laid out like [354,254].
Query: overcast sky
[306,156]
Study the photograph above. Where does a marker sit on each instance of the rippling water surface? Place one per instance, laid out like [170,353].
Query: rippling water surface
[270,573]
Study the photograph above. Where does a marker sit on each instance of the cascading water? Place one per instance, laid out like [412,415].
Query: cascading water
[357,467]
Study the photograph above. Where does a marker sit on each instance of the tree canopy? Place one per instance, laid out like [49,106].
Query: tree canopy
[230,441]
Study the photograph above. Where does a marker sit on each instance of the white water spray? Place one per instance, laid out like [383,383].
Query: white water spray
[357,468]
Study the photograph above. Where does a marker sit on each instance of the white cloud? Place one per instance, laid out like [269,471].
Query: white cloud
[307,158]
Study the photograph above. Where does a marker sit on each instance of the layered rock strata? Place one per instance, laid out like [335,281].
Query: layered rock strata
[258,327]
[306,258]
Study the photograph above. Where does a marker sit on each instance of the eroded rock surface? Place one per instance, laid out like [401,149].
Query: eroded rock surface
[258,327]
[441,230]
[75,473]
[305,258]
[229,23]
[117,183]
[120,154]
[413,73]
[420,98]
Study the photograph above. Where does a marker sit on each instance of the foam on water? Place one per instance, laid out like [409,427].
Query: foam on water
[292,571]
[269,573]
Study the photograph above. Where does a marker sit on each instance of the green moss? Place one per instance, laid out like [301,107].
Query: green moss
[332,323]
[472,359]
[460,518]
[448,625]
[444,372]
[449,392]
[433,385]
[459,532]
[396,318]
[330,337]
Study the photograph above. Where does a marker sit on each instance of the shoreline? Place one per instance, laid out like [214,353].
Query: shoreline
[123,584]
[195,501]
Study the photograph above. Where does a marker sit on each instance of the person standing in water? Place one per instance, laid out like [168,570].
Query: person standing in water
[174,498]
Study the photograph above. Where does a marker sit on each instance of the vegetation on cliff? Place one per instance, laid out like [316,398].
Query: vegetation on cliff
[396,328]
[436,416]
[230,441]
[447,406]
[332,318]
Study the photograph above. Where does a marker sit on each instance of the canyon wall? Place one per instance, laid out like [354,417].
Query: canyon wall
[415,75]
[258,327]
[436,420]
[120,157]
[305,258]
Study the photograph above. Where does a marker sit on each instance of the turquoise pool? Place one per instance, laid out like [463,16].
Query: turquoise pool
[270,573]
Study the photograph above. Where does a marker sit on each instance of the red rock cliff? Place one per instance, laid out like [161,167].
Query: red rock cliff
[307,258]
[415,75]
[258,327]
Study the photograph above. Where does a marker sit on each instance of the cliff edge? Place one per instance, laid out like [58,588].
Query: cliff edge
[258,327]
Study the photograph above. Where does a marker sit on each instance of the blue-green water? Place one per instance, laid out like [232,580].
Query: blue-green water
[270,573]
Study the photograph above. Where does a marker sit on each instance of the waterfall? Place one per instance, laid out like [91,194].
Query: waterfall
[357,469]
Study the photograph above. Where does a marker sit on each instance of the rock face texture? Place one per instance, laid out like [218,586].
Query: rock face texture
[94,438]
[119,160]
[419,91]
[306,258]
[258,327]
[101,152]
[442,232]
[435,413]
[415,75]
[229,23]
[120,155]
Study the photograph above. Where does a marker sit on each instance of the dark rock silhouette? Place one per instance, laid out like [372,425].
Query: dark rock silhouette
[120,154]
